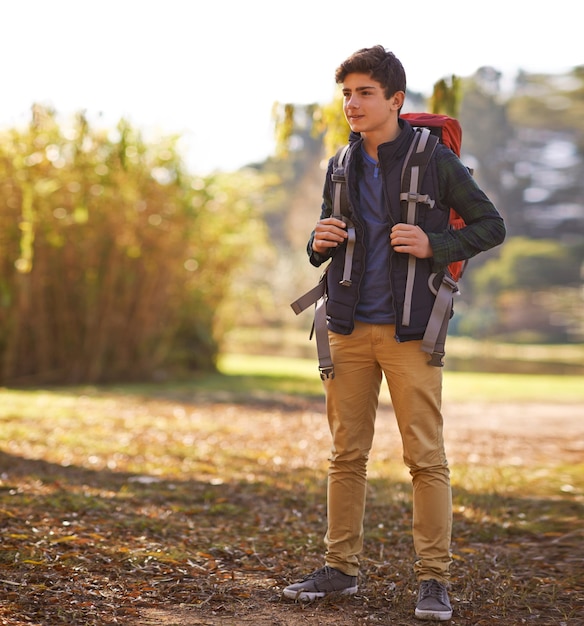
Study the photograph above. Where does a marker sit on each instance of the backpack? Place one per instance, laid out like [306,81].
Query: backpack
[449,132]
[429,130]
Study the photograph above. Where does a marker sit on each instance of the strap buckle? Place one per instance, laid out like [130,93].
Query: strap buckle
[448,280]
[436,359]
[418,198]
[327,373]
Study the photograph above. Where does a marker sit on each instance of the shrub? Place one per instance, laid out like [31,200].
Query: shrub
[114,260]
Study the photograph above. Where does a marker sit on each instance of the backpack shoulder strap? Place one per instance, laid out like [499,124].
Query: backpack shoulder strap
[415,164]
[341,211]
[318,295]
[340,181]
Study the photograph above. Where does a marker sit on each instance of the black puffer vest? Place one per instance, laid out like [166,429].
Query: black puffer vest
[342,300]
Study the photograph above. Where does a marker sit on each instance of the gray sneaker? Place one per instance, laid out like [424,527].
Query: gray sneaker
[433,603]
[320,583]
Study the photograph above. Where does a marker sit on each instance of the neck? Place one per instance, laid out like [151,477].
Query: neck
[373,139]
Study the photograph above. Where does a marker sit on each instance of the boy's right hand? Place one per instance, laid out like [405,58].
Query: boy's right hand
[328,233]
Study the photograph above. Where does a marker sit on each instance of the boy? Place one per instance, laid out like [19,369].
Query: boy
[366,333]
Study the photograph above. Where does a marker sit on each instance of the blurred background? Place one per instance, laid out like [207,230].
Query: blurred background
[161,168]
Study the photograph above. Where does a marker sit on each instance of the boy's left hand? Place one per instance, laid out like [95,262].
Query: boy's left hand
[410,239]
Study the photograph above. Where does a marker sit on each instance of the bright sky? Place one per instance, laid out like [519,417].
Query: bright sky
[212,69]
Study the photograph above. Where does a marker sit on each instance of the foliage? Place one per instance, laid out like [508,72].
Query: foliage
[529,283]
[114,260]
[193,503]
[283,117]
[447,96]
[527,264]
[555,102]
[334,124]
[486,131]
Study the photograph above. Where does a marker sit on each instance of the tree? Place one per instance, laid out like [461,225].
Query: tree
[447,96]
[114,260]
[531,291]
[551,102]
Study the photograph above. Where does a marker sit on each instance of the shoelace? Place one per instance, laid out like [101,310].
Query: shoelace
[325,571]
[432,588]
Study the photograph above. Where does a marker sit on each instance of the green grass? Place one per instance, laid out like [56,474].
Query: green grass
[539,388]
[301,376]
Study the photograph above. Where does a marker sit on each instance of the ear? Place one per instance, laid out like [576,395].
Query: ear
[397,100]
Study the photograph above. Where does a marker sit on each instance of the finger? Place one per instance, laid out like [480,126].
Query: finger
[328,239]
[333,221]
[327,231]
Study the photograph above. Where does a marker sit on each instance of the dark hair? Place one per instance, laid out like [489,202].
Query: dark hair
[381,65]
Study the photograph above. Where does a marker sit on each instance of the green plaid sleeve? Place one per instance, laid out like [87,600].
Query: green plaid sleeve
[484,228]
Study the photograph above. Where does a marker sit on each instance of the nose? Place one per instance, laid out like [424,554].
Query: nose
[352,102]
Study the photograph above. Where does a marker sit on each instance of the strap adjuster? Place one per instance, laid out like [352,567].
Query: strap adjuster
[436,359]
[327,372]
[448,280]
[412,196]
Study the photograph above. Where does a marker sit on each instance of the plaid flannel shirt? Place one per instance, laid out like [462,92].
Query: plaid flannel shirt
[485,228]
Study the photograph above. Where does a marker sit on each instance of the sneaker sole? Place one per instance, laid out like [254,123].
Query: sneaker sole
[309,596]
[436,616]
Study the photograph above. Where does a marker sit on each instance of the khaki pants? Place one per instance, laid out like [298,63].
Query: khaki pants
[352,398]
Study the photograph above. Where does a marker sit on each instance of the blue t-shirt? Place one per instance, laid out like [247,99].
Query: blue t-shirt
[375,304]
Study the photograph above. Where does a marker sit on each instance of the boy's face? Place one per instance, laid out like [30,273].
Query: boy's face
[366,107]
